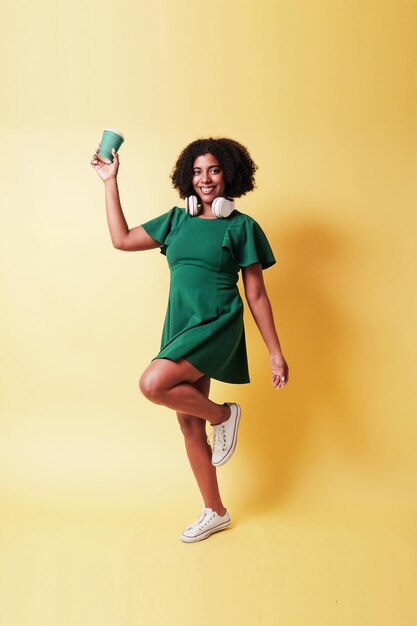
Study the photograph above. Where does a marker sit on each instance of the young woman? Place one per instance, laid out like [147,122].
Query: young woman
[206,245]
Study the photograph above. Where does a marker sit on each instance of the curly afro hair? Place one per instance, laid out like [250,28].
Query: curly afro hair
[235,160]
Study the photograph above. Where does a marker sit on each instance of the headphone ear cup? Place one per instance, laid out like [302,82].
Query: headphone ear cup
[191,205]
[222,207]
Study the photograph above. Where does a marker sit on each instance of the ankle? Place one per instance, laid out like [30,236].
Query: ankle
[220,509]
[225,413]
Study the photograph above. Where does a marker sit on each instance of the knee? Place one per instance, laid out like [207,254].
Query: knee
[150,387]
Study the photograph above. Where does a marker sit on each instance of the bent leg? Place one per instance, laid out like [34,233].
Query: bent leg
[199,452]
[171,383]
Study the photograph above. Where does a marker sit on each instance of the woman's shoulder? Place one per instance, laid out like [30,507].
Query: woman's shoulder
[176,214]
[176,217]
[177,211]
[166,222]
[243,219]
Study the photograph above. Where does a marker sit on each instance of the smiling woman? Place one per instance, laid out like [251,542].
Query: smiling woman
[203,335]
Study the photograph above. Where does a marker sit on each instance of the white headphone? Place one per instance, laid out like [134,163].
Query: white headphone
[221,207]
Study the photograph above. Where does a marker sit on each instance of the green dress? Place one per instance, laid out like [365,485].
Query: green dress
[204,318]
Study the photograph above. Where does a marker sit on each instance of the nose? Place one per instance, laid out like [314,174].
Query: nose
[206,178]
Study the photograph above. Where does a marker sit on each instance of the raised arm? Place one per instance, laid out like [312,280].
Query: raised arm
[260,307]
[123,237]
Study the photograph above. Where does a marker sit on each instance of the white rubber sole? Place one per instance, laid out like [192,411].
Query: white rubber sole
[205,533]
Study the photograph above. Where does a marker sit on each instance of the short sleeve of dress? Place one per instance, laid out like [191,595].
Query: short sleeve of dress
[162,227]
[248,243]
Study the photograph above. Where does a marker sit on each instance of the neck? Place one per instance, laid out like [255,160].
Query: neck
[206,209]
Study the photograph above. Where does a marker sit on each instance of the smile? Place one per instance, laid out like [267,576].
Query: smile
[207,190]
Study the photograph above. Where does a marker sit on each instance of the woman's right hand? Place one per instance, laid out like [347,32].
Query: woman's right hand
[105,170]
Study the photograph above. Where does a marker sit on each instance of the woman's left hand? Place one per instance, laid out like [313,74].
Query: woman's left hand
[280,370]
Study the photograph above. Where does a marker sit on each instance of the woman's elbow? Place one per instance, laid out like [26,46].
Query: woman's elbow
[255,296]
[118,244]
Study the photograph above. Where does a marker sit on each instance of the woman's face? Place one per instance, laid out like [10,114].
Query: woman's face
[208,178]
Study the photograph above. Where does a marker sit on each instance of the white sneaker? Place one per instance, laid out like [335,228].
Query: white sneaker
[225,436]
[209,522]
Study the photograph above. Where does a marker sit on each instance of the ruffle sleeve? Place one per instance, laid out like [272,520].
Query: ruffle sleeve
[161,228]
[248,243]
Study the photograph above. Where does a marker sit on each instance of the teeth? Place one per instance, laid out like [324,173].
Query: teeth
[207,189]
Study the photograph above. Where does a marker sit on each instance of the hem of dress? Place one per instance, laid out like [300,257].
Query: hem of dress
[214,377]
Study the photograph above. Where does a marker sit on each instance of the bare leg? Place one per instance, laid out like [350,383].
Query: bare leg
[199,452]
[171,383]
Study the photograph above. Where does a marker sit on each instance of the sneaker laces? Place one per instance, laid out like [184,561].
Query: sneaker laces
[219,438]
[202,521]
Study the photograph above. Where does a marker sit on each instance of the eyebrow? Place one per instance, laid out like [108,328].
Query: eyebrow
[210,167]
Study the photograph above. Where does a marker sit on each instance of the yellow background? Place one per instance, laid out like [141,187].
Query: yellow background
[95,486]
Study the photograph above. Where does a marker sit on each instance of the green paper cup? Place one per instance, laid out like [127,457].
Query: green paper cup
[111,138]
